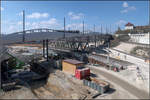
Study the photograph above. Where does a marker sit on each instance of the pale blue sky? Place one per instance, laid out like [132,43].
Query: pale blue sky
[50,14]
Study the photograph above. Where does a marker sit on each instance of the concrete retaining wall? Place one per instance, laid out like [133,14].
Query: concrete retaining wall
[124,56]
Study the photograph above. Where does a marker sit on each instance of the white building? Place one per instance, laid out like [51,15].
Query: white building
[129,26]
[143,38]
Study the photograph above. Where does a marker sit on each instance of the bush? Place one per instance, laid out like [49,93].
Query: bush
[123,38]
[116,40]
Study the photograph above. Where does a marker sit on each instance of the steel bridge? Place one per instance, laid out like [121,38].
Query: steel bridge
[72,41]
[80,43]
[39,30]
[37,35]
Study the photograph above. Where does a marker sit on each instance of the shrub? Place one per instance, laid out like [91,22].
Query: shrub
[116,40]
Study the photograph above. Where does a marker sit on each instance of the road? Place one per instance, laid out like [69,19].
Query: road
[144,67]
[128,87]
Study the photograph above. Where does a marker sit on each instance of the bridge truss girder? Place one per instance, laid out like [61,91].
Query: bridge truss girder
[79,43]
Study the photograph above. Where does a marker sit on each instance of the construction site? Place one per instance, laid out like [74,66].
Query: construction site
[67,68]
[45,63]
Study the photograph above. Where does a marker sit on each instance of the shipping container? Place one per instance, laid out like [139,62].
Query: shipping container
[82,73]
[100,85]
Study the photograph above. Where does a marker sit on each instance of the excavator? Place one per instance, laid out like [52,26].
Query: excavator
[11,76]
[9,65]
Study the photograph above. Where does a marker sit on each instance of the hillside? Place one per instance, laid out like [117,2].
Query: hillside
[11,38]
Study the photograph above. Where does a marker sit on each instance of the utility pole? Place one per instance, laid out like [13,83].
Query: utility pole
[101,29]
[110,29]
[94,34]
[43,48]
[149,12]
[83,27]
[23,40]
[47,49]
[0,55]
[108,57]
[106,29]
[69,28]
[101,33]
[94,28]
[64,27]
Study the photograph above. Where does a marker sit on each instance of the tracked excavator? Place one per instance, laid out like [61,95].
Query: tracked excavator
[10,76]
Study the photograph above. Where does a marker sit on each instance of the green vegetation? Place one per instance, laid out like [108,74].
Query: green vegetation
[15,62]
[125,32]
[116,40]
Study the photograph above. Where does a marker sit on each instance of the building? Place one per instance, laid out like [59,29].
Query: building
[142,27]
[129,26]
[137,34]
[143,38]
[70,65]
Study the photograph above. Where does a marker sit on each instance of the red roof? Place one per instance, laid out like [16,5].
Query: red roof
[73,61]
[129,24]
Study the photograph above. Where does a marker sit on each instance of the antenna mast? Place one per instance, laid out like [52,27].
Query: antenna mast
[23,40]
[64,27]
[83,27]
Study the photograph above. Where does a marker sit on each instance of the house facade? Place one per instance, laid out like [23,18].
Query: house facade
[129,26]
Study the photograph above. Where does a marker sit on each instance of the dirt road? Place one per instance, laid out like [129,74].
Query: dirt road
[131,89]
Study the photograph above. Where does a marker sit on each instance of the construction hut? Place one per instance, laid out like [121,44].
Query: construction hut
[70,65]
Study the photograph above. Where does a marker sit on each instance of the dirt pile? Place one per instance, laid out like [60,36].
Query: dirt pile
[22,93]
[62,86]
[58,85]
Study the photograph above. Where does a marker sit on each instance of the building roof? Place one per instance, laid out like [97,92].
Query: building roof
[72,61]
[129,24]
[143,27]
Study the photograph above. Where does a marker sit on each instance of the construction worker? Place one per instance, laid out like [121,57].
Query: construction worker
[115,69]
[121,67]
[125,57]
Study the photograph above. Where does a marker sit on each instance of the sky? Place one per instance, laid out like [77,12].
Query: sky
[50,14]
